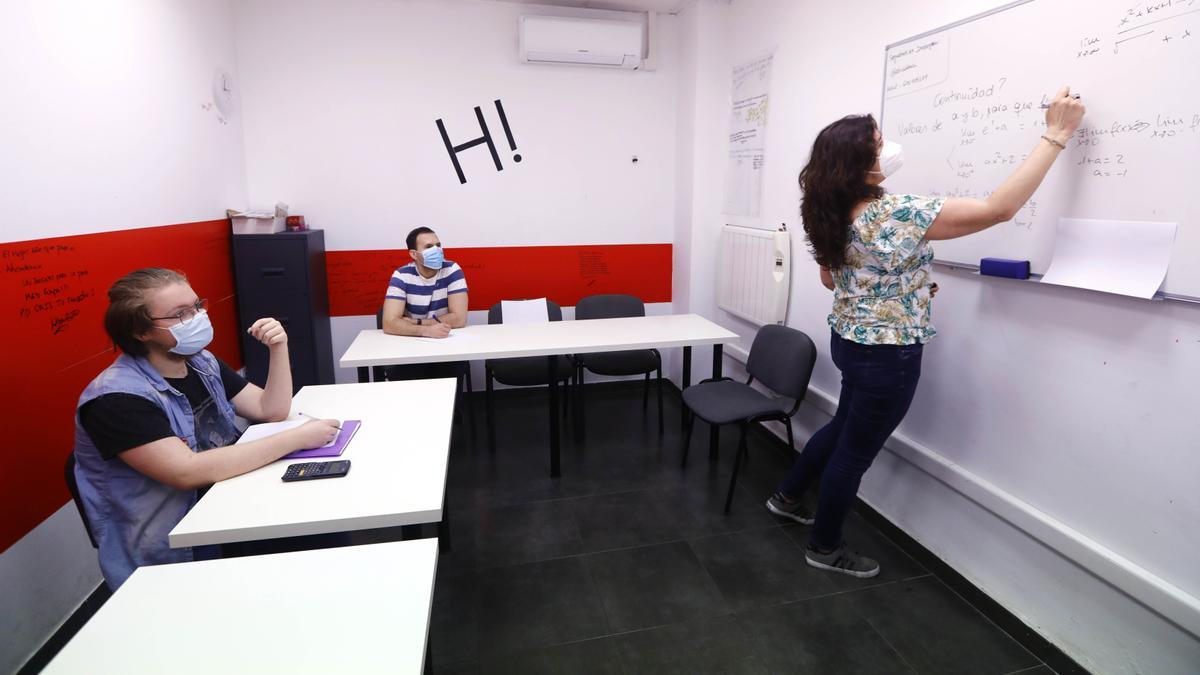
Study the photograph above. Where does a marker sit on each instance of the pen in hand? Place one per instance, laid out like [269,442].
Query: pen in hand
[1045,106]
[315,418]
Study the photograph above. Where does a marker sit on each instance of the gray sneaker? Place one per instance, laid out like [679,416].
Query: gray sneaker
[842,560]
[794,510]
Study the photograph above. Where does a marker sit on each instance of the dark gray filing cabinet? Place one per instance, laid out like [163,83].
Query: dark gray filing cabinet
[282,275]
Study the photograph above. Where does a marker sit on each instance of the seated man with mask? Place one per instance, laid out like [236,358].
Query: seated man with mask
[428,296]
[425,298]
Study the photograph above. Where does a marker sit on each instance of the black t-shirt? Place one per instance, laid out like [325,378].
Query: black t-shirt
[119,422]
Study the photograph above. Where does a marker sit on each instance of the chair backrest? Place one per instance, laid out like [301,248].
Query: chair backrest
[609,307]
[73,488]
[379,319]
[553,311]
[782,358]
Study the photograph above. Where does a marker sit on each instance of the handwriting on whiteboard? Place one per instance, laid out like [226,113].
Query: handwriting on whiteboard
[41,292]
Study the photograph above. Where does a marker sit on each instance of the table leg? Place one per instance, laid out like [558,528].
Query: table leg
[443,532]
[714,431]
[443,526]
[552,367]
[687,382]
[364,374]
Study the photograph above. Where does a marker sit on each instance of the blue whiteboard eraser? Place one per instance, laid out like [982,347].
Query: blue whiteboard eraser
[999,267]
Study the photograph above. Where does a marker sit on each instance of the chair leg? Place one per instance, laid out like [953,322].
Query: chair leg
[646,391]
[660,399]
[737,461]
[787,421]
[491,411]
[687,439]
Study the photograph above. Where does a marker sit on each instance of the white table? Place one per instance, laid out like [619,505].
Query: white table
[354,609]
[500,341]
[397,473]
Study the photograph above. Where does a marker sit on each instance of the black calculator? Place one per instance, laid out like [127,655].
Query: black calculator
[314,470]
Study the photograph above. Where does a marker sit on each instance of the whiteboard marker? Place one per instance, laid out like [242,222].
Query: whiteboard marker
[1047,105]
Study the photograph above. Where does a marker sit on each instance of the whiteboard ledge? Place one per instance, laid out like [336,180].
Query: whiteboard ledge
[1037,278]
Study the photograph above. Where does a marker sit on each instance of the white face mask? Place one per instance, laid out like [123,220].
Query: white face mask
[193,336]
[891,158]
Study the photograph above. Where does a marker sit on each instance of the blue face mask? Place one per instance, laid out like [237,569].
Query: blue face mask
[433,258]
[192,336]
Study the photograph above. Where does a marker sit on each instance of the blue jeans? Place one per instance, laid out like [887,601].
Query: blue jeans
[878,383]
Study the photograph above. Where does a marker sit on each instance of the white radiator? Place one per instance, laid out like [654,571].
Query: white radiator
[755,273]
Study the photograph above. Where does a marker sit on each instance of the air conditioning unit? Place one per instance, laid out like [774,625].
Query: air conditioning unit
[577,41]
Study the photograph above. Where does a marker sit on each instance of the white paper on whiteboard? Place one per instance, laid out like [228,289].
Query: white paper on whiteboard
[1114,256]
[749,98]
[525,311]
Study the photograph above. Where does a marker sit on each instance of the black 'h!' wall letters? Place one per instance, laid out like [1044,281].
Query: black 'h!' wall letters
[453,150]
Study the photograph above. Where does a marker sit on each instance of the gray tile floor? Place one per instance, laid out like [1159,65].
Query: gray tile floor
[627,564]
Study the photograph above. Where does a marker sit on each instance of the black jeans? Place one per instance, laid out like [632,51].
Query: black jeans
[878,383]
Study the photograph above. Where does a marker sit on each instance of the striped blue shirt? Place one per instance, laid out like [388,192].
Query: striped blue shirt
[423,297]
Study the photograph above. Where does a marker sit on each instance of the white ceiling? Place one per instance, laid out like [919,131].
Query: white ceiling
[657,6]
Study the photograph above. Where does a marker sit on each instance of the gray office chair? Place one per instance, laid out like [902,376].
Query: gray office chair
[525,371]
[635,362]
[782,359]
[73,488]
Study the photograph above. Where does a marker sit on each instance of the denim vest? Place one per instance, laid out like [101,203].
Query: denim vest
[131,513]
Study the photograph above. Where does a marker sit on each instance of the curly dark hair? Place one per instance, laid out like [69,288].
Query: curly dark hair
[833,182]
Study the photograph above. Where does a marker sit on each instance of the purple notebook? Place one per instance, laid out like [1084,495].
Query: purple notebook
[349,428]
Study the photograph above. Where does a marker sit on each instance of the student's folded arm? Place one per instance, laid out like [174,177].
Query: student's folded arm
[251,403]
[456,317]
[172,462]
[394,321]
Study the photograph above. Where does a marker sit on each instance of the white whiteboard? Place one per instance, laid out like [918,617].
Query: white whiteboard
[964,101]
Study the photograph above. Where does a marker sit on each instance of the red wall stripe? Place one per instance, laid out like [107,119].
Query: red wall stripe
[358,279]
[52,298]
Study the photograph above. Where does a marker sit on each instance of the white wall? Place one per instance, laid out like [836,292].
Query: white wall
[1048,455]
[102,128]
[103,125]
[340,124]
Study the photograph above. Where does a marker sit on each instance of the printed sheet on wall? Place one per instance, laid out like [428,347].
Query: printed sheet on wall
[747,137]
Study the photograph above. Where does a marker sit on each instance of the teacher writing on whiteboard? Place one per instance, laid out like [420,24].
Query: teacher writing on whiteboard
[873,253]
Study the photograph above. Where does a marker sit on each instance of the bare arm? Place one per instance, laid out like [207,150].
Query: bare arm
[960,217]
[273,403]
[395,323]
[171,461]
[456,317]
[827,278]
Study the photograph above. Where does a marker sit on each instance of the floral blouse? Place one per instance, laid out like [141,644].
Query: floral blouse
[881,294]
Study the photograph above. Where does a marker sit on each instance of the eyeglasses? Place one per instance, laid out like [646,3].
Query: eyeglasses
[186,314]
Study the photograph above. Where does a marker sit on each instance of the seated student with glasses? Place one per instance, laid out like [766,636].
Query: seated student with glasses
[159,423]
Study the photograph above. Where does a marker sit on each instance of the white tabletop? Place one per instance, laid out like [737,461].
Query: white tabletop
[376,348]
[397,470]
[354,609]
